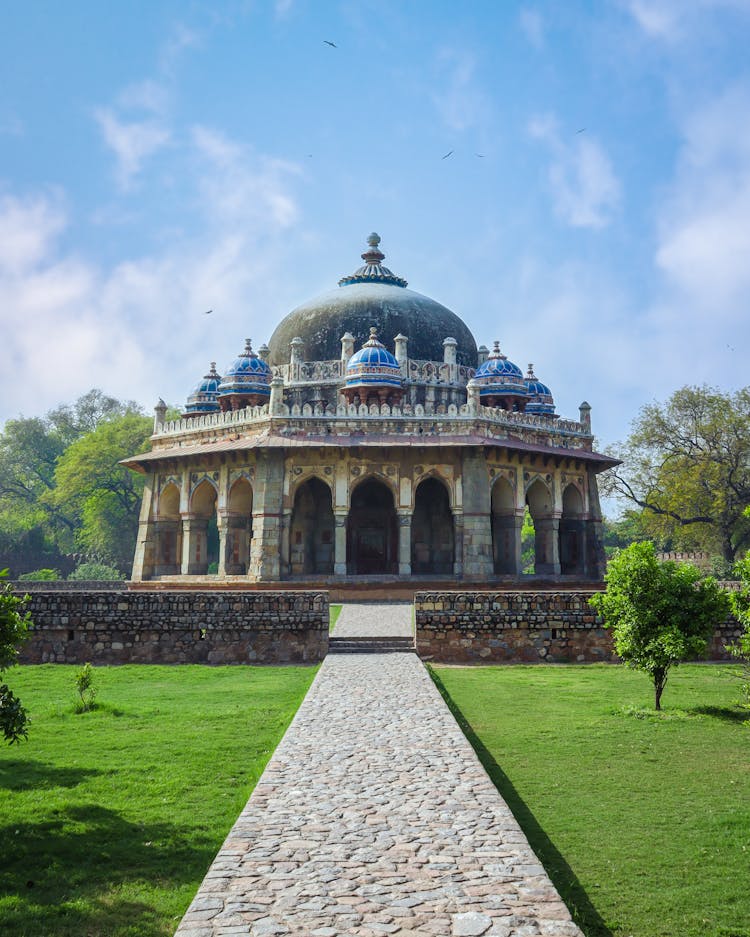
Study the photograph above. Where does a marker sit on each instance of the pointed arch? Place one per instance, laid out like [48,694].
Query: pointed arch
[238,527]
[168,530]
[372,546]
[201,530]
[506,549]
[311,541]
[572,533]
[432,531]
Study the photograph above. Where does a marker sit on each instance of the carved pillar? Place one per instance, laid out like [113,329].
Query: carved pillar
[339,545]
[458,546]
[547,546]
[475,485]
[404,543]
[224,546]
[145,547]
[506,530]
[194,545]
[285,569]
[265,558]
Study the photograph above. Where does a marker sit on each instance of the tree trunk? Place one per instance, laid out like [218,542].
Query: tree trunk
[660,681]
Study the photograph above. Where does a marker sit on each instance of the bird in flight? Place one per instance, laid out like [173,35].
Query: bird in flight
[331,44]
[479,155]
[208,312]
[582,130]
[447,155]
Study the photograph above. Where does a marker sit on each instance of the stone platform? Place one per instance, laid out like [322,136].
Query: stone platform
[374,817]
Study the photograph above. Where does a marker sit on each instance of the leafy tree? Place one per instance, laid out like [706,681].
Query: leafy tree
[13,631]
[86,689]
[740,602]
[622,532]
[35,527]
[659,613]
[100,494]
[686,464]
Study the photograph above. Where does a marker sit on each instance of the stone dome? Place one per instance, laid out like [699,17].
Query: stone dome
[372,297]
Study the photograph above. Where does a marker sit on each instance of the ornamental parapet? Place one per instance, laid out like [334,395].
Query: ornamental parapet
[407,420]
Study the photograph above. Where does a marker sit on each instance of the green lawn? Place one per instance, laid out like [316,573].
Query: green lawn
[109,819]
[334,611]
[642,820]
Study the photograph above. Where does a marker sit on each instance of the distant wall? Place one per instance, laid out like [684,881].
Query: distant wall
[177,627]
[68,585]
[517,627]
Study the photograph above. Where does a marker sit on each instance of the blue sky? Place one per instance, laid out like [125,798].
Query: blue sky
[158,159]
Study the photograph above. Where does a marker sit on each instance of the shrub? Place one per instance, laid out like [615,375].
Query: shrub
[14,628]
[95,572]
[740,602]
[41,575]
[86,689]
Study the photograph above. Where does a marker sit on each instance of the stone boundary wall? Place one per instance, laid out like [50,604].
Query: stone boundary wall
[518,627]
[20,586]
[177,628]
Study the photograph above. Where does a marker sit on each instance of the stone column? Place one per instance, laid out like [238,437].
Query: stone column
[547,546]
[194,545]
[404,543]
[477,530]
[339,545]
[265,555]
[458,546]
[145,545]
[225,545]
[401,353]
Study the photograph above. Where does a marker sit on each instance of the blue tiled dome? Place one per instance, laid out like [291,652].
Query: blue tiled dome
[373,364]
[247,374]
[540,396]
[497,375]
[203,398]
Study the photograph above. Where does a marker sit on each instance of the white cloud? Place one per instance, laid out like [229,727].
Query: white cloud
[704,227]
[583,183]
[28,227]
[460,101]
[674,20]
[132,143]
[137,328]
[532,24]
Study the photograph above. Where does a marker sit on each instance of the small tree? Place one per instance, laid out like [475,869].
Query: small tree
[14,628]
[659,613]
[96,572]
[86,689]
[741,607]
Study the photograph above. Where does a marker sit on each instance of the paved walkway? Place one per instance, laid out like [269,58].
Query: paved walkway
[374,817]
[375,620]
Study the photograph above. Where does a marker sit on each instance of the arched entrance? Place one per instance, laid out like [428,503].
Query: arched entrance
[238,528]
[201,530]
[505,532]
[539,500]
[312,530]
[572,533]
[432,539]
[168,532]
[372,545]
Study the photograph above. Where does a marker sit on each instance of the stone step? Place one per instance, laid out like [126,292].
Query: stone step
[371,645]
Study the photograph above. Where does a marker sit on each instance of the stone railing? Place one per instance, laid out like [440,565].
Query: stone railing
[68,585]
[234,420]
[517,627]
[153,627]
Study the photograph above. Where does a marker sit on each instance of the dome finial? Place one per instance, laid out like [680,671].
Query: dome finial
[373,270]
[374,239]
[249,347]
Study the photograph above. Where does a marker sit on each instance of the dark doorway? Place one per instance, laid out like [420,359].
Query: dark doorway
[312,529]
[372,545]
[432,529]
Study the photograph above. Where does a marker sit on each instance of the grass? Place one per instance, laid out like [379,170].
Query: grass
[334,612]
[109,819]
[641,819]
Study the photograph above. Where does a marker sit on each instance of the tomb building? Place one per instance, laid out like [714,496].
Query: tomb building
[370,437]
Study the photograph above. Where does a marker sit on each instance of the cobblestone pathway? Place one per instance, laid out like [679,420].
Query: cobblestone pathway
[361,619]
[374,817]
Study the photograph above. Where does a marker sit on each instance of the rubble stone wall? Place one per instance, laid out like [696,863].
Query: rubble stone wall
[177,627]
[518,627]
